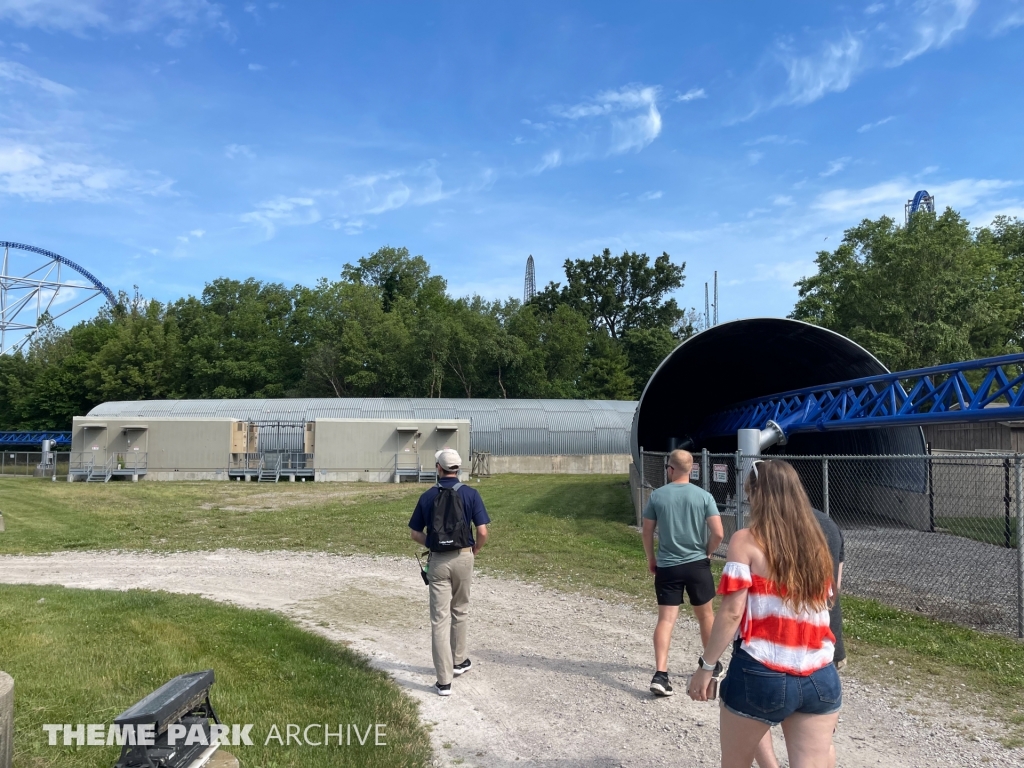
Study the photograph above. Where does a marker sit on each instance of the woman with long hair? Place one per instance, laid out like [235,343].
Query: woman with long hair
[776,588]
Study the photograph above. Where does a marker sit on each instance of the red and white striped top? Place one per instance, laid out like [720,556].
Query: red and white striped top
[772,632]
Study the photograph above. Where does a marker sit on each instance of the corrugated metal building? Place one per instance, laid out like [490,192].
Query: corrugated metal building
[576,436]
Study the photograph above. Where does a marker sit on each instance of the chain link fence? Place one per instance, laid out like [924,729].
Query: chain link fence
[30,464]
[937,534]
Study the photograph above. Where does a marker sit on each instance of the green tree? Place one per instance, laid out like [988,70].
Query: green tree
[928,293]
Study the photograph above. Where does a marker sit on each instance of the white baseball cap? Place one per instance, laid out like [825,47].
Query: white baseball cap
[448,458]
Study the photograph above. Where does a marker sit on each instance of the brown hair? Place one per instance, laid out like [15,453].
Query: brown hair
[784,527]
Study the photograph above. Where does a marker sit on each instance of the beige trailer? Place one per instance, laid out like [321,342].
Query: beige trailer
[154,449]
[205,448]
[386,450]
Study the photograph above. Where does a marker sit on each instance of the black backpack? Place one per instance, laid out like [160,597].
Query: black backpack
[448,520]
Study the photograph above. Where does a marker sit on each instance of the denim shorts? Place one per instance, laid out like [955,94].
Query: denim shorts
[751,689]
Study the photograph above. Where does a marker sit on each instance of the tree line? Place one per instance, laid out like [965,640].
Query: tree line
[386,328]
[932,291]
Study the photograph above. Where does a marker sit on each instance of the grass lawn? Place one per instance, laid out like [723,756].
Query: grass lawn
[570,532]
[81,656]
[990,530]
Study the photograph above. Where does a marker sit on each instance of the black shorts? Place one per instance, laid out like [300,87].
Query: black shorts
[694,577]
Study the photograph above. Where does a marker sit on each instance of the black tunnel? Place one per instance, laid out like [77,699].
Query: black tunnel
[744,359]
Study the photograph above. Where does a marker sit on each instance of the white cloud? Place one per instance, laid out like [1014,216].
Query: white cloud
[936,22]
[283,211]
[14,72]
[67,172]
[628,133]
[256,67]
[889,197]
[118,16]
[870,126]
[690,95]
[348,205]
[754,157]
[552,159]
[782,200]
[197,233]
[831,70]
[656,195]
[773,138]
[907,30]
[231,151]
[835,166]
[1011,21]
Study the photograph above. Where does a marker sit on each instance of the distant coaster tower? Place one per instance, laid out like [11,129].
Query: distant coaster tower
[33,286]
[922,201]
[530,286]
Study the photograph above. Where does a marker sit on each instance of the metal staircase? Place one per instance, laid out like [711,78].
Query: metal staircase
[103,475]
[270,468]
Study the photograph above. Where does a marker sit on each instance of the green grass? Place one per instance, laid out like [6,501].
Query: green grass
[83,657]
[990,530]
[570,532]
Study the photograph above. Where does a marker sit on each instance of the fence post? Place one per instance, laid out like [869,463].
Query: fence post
[824,486]
[739,491]
[1020,545]
[704,469]
[931,489]
[1007,533]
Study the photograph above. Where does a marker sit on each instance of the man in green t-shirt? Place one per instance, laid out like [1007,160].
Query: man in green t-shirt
[689,531]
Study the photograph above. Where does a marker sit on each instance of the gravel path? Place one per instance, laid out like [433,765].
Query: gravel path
[558,679]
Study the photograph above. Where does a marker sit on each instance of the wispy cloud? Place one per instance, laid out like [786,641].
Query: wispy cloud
[656,195]
[888,197]
[835,166]
[773,139]
[350,205]
[552,159]
[690,95]
[633,113]
[1011,21]
[282,211]
[13,72]
[754,157]
[936,22]
[782,200]
[830,70]
[116,16]
[870,126]
[68,172]
[256,67]
[231,151]
[900,33]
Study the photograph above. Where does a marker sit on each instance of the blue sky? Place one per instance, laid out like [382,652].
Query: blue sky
[165,143]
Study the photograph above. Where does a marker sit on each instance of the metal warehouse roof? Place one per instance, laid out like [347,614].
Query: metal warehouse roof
[501,427]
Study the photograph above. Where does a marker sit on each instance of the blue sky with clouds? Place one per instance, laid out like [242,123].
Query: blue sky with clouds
[165,143]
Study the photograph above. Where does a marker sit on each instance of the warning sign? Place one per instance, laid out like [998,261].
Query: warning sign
[721,473]
[695,472]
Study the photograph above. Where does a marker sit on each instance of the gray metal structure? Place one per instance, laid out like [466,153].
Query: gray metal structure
[499,427]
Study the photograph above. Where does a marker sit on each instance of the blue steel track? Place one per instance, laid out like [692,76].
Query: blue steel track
[66,262]
[908,398]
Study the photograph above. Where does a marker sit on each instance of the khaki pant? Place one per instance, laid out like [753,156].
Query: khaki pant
[450,575]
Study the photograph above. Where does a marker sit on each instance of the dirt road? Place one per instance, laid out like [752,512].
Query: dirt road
[558,679]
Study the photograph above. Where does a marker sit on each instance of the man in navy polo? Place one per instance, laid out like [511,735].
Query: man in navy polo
[450,573]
